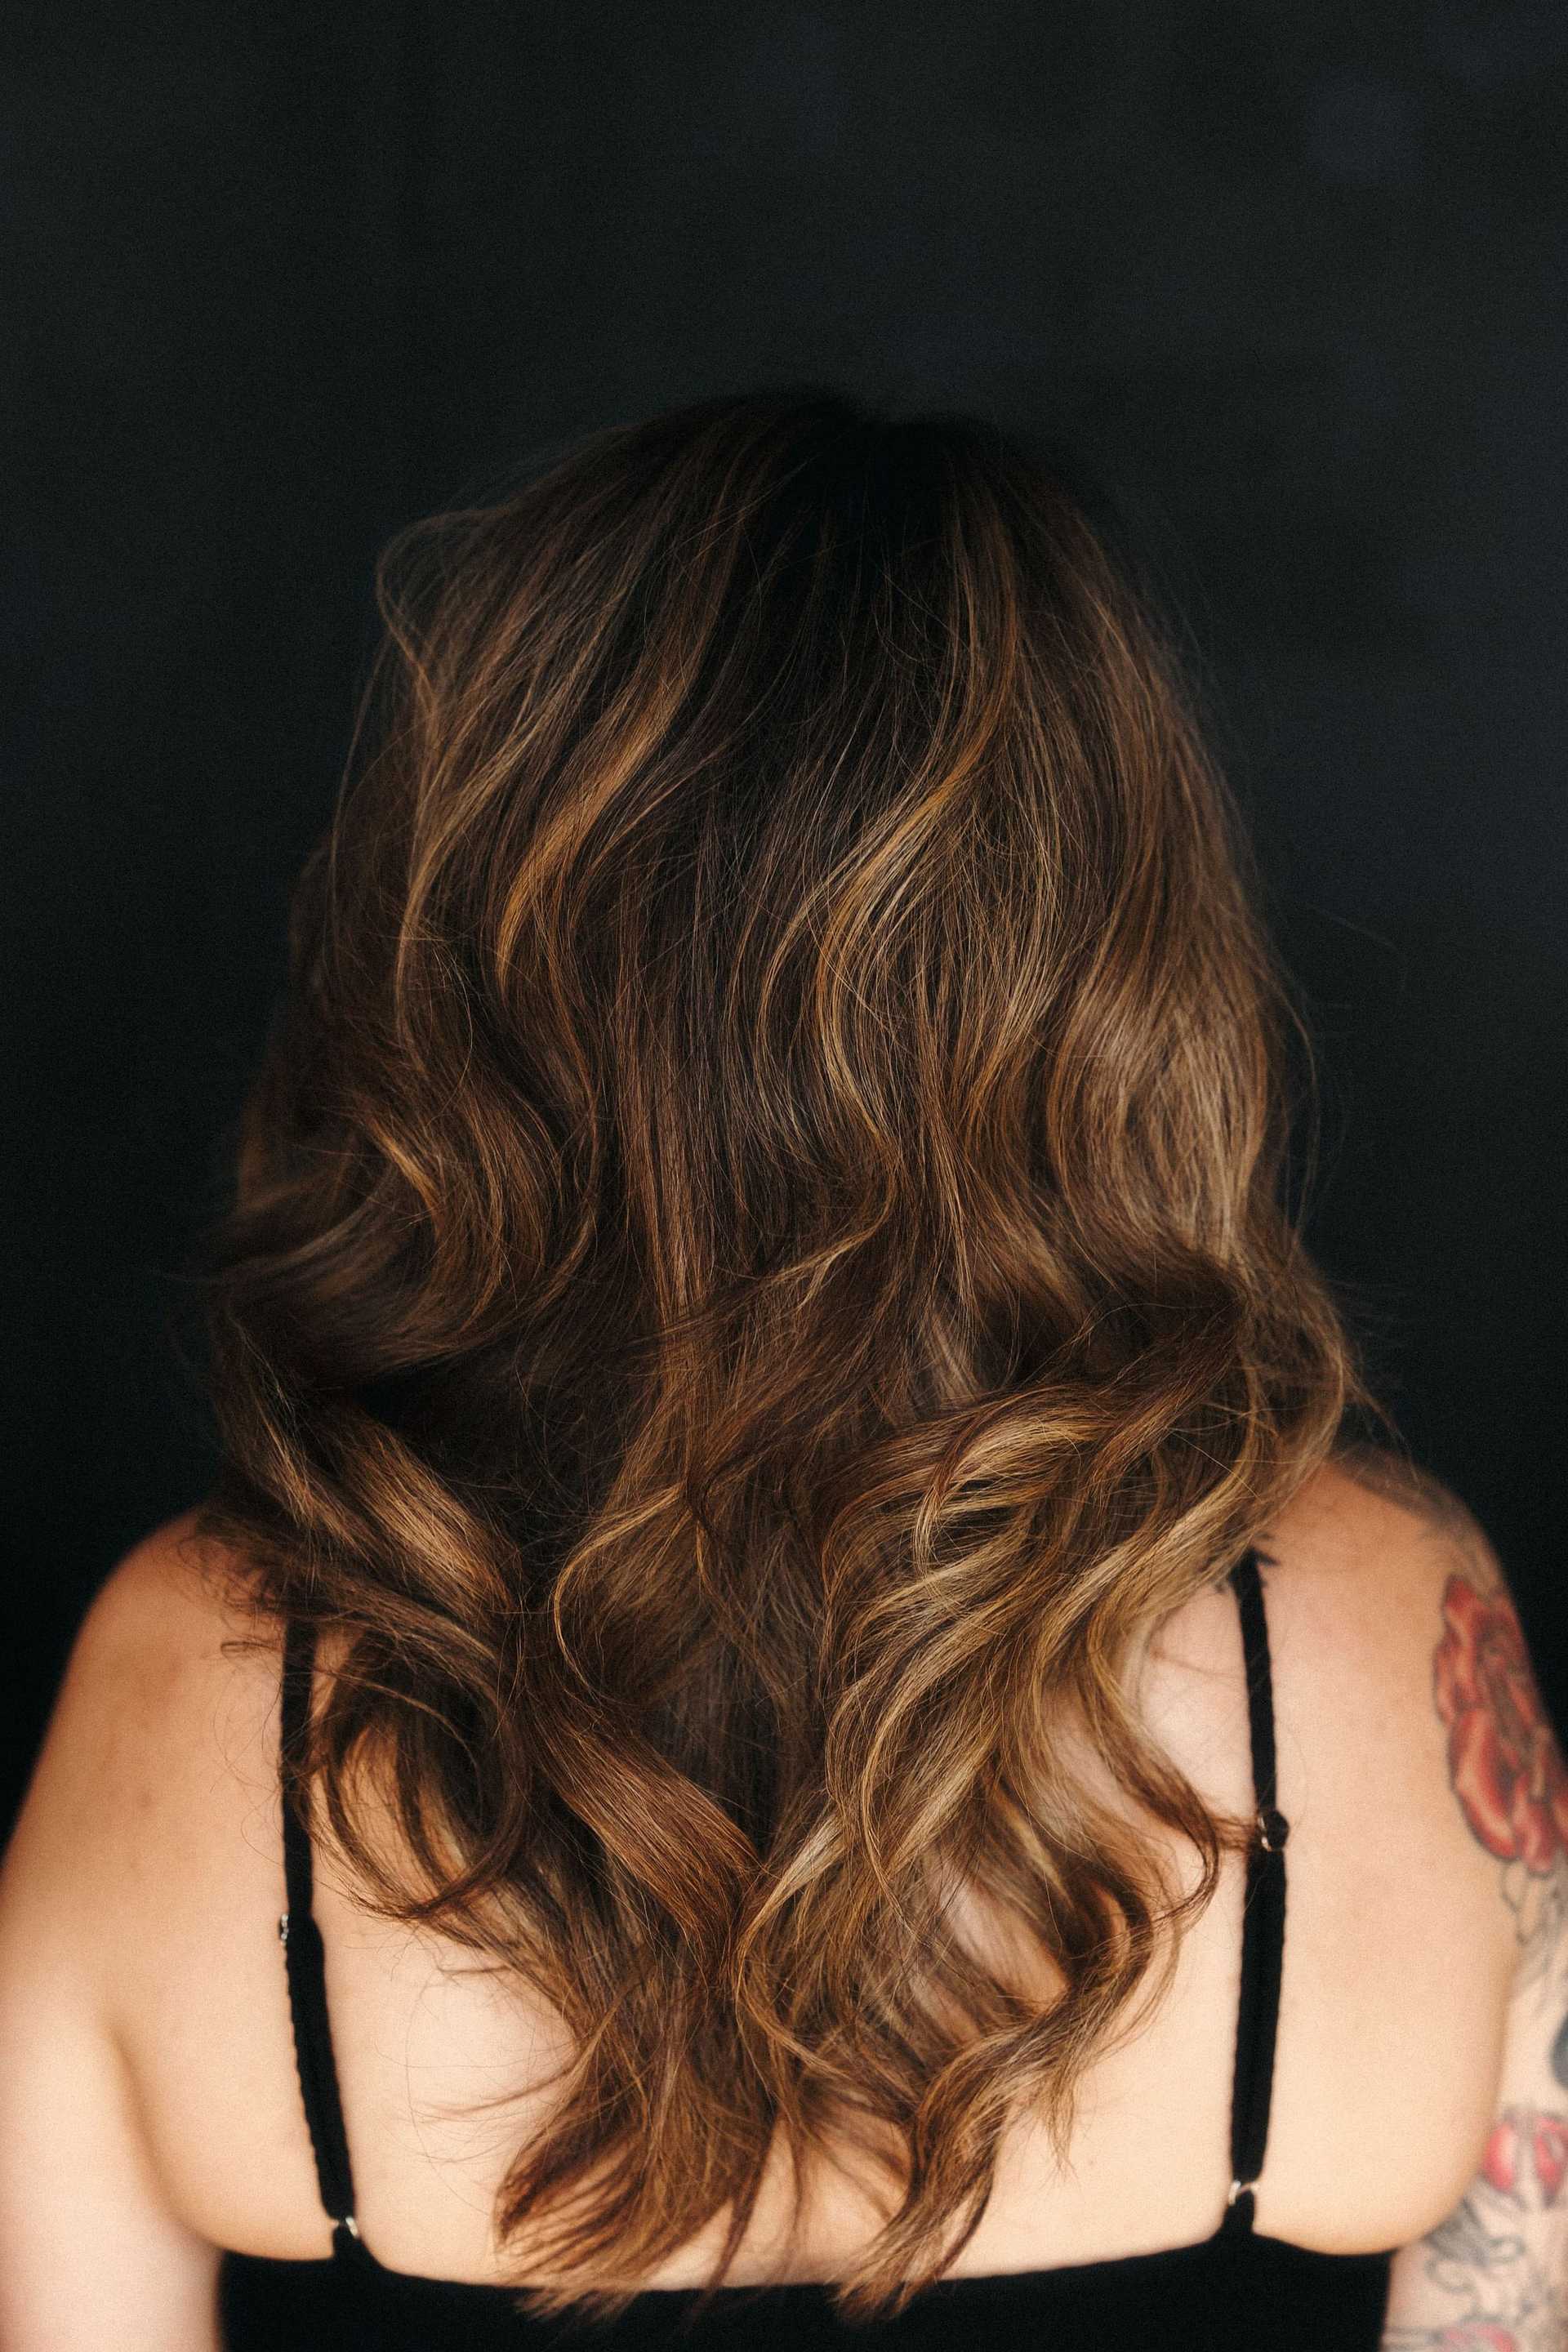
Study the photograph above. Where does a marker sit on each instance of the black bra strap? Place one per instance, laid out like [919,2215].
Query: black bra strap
[305,1960]
[1263,1917]
[1262,1942]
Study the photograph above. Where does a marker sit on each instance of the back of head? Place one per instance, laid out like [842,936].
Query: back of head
[757,1273]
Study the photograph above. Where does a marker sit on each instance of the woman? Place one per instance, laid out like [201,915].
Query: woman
[787,1524]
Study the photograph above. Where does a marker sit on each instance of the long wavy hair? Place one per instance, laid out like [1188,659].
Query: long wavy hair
[759,1276]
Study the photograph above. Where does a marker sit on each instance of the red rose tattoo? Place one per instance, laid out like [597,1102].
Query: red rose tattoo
[1507,1770]
[1527,2156]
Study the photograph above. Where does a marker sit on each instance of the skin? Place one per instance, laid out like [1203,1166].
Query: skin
[1493,2275]
[150,2114]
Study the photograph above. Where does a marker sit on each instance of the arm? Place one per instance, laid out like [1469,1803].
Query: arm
[1493,2276]
[90,2253]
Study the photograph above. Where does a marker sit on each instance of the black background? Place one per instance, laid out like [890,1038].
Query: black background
[1290,276]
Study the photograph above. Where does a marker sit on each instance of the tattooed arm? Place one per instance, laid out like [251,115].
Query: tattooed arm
[1493,2277]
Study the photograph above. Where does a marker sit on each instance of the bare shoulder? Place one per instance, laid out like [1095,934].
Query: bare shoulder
[161,1731]
[1396,1607]
[146,1835]
[1363,1568]
[1377,1530]
[1381,1559]
[1410,1733]
[175,1587]
[1357,1577]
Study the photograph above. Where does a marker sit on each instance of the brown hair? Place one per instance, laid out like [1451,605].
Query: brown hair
[758,1277]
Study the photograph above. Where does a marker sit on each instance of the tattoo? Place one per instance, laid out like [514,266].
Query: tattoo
[1504,1760]
[1560,2055]
[1506,1766]
[1497,2256]
[1484,2255]
[1510,2304]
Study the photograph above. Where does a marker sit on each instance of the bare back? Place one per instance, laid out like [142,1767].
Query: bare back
[1402,1949]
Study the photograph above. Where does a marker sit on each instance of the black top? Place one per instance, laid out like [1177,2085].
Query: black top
[1237,2288]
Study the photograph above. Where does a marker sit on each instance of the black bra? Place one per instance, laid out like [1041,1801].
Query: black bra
[1236,2288]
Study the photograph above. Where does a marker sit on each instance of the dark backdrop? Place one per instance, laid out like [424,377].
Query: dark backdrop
[1288,272]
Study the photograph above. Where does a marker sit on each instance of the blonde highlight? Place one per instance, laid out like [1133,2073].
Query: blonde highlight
[758,1275]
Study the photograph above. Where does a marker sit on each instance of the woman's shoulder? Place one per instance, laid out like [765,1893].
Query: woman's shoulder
[1387,1590]
[160,1620]
[1411,1709]
[121,1861]
[149,1846]
[1364,1572]
[1404,1703]
[171,1658]
[1394,1637]
[160,1743]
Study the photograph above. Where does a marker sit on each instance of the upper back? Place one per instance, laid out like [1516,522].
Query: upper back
[1398,1958]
